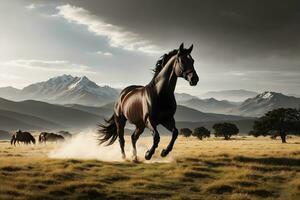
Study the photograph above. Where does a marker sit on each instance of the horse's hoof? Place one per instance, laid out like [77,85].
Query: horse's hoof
[135,159]
[148,155]
[123,156]
[164,153]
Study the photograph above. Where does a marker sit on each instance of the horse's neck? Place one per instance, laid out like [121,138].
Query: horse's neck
[166,80]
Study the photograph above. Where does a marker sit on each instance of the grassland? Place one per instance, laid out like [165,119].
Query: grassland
[242,168]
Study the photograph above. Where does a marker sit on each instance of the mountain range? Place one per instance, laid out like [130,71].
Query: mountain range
[4,135]
[229,95]
[77,102]
[209,105]
[251,107]
[183,113]
[37,115]
[264,102]
[64,89]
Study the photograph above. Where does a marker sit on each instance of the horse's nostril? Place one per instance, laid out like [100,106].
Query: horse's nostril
[194,79]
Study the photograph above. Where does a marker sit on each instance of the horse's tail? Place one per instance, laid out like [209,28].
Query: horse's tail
[108,131]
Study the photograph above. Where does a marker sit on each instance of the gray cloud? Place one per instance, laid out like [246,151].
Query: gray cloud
[249,27]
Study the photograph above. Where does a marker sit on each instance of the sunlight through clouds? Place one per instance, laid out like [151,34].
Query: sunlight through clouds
[31,7]
[108,54]
[117,36]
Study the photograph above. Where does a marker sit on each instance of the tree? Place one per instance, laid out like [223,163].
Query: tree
[186,132]
[201,132]
[225,130]
[278,122]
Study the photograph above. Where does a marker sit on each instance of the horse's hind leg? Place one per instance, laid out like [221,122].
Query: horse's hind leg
[134,137]
[120,123]
[156,139]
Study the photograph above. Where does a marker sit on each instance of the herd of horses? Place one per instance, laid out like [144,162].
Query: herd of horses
[44,137]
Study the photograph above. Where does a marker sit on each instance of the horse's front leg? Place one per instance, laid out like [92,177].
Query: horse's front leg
[170,125]
[156,139]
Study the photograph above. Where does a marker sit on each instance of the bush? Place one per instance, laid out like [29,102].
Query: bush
[201,132]
[186,132]
[225,130]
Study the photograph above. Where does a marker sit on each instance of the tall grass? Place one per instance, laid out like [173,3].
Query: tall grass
[242,168]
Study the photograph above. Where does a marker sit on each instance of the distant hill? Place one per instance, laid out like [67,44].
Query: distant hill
[180,97]
[104,111]
[183,113]
[230,95]
[64,89]
[4,135]
[41,115]
[209,105]
[13,120]
[35,115]
[29,115]
[9,93]
[185,117]
[264,102]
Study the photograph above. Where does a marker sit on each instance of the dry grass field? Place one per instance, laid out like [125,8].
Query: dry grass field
[242,168]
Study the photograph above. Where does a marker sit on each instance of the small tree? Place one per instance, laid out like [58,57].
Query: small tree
[201,132]
[278,122]
[225,130]
[186,132]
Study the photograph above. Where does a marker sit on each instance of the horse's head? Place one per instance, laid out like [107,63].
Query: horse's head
[184,65]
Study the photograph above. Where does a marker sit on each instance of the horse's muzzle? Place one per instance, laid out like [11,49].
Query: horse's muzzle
[193,80]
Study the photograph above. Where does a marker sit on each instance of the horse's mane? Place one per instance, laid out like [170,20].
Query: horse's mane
[161,63]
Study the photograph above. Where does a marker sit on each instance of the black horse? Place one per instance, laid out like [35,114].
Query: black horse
[151,105]
[21,136]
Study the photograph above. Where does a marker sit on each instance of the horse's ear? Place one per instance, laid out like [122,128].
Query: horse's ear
[181,47]
[190,49]
[180,50]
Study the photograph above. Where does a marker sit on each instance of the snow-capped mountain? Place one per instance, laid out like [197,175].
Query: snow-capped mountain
[264,102]
[67,89]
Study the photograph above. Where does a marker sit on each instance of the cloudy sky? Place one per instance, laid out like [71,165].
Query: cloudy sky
[249,44]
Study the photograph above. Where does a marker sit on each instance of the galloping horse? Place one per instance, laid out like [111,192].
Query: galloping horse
[151,105]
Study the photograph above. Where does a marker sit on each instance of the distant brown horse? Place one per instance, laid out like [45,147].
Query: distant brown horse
[151,105]
[65,134]
[50,137]
[24,137]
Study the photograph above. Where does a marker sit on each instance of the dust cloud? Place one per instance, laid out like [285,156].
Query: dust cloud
[85,146]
